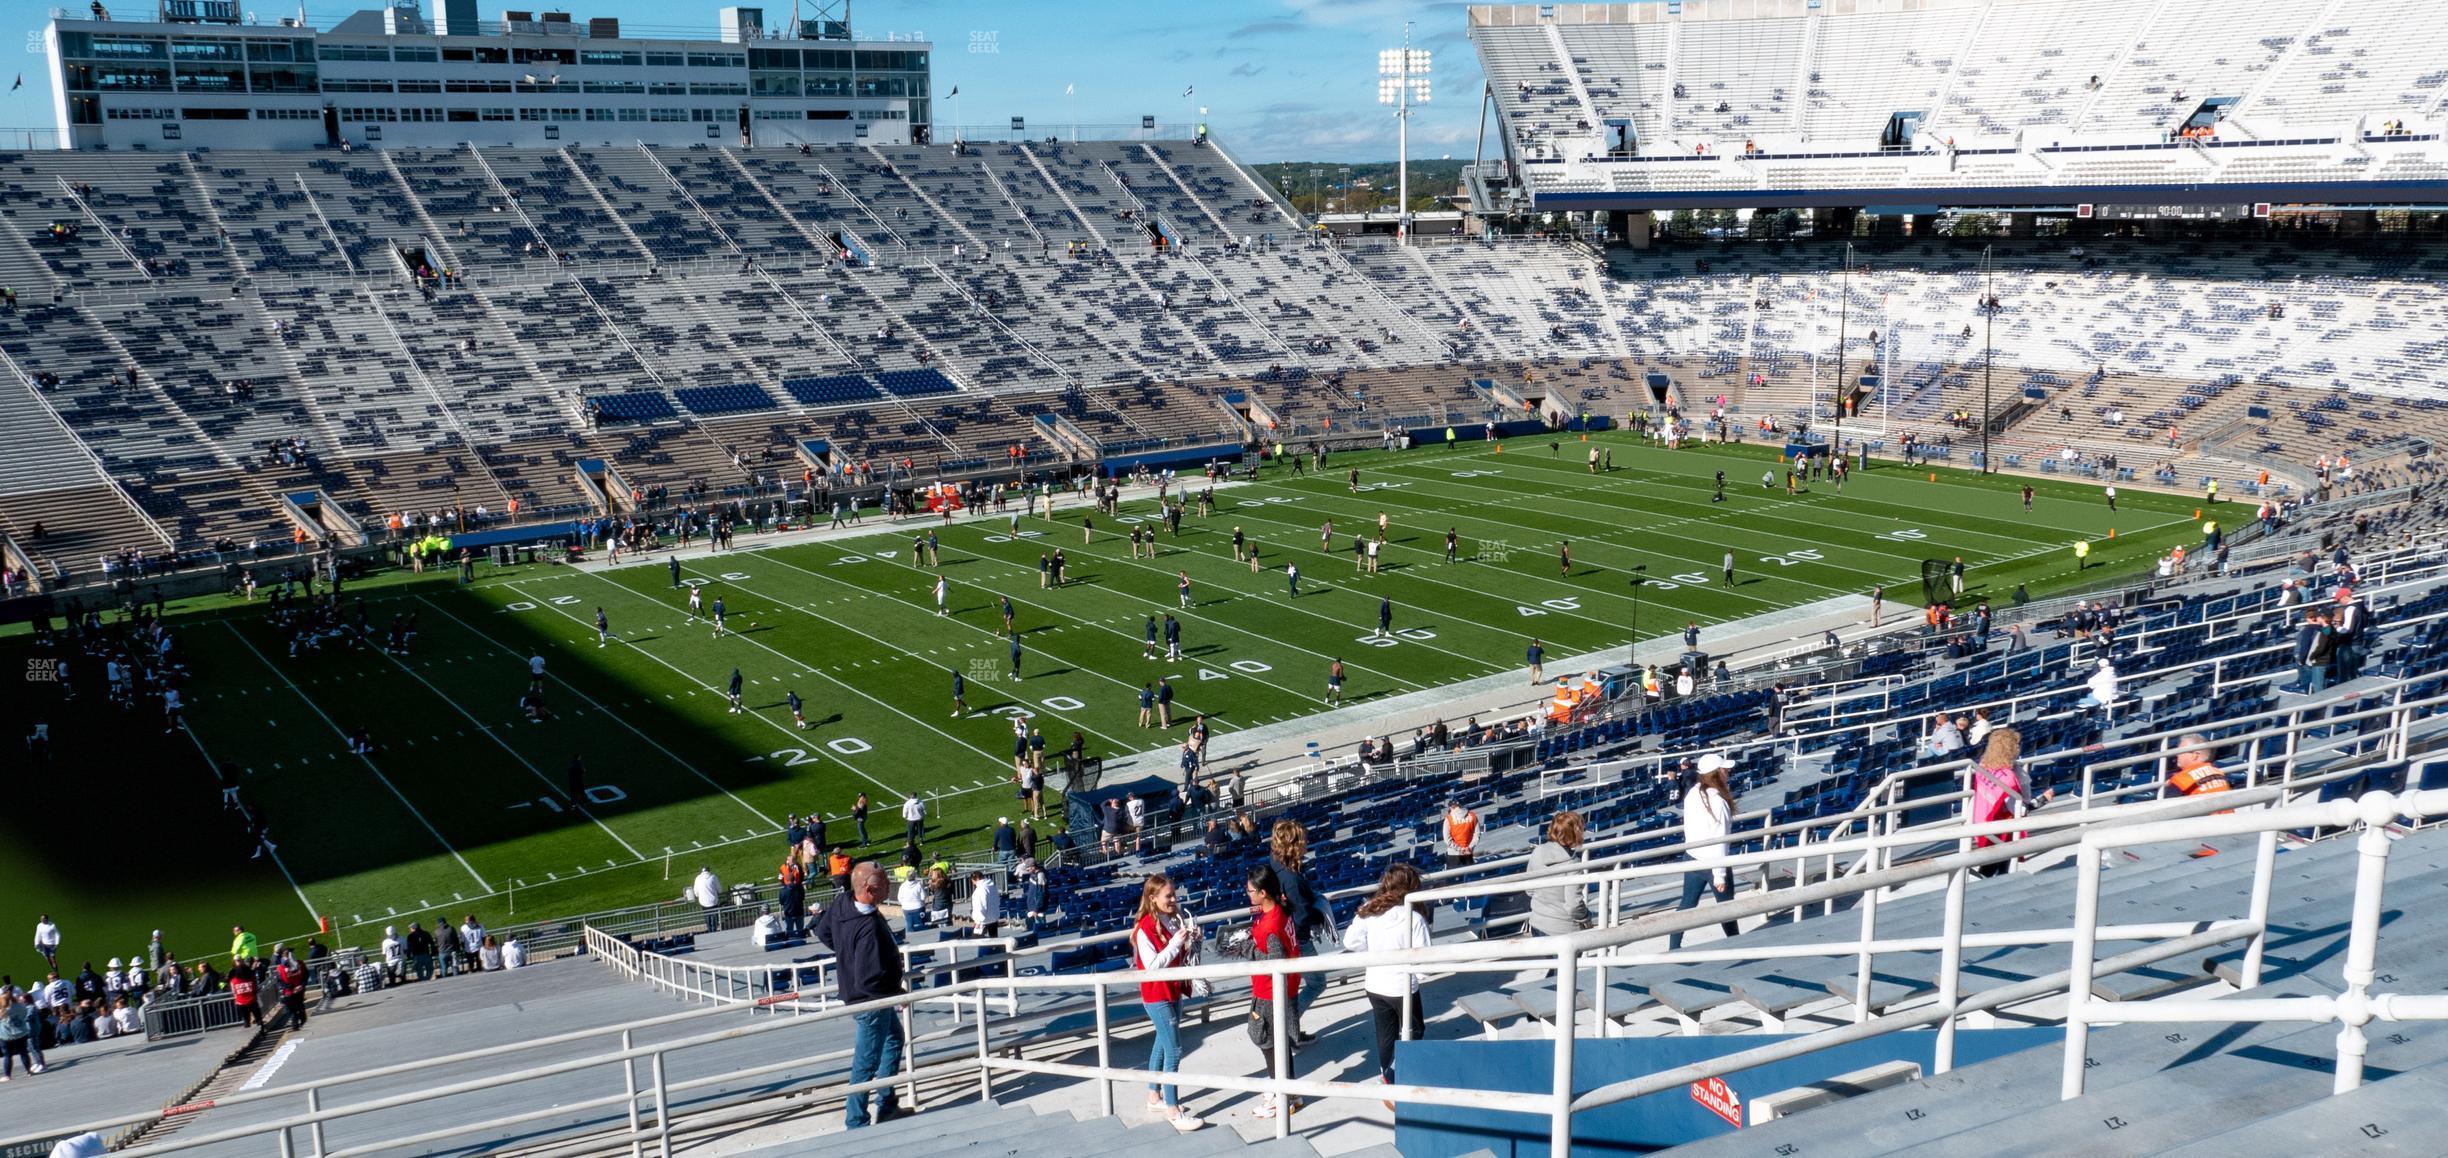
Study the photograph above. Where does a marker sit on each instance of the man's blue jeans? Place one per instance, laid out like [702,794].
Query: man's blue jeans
[877,1053]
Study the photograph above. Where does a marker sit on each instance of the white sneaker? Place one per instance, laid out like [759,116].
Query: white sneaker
[1266,1107]
[1187,1121]
[36,1069]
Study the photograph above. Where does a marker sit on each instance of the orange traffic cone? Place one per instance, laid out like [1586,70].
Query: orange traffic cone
[2112,532]
[324,925]
[1933,476]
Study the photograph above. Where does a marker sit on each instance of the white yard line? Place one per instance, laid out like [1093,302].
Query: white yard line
[283,866]
[368,761]
[598,706]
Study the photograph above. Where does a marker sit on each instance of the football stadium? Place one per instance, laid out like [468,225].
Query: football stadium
[1870,562]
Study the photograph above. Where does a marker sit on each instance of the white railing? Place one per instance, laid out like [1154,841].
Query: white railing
[798,985]
[760,987]
[649,1108]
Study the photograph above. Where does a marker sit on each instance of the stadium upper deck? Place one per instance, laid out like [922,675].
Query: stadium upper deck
[1973,102]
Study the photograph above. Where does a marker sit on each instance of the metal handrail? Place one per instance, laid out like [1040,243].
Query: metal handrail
[1566,952]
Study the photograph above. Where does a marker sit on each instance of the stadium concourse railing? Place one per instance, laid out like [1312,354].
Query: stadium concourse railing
[1644,877]
[797,985]
[647,1113]
[2345,731]
[1339,774]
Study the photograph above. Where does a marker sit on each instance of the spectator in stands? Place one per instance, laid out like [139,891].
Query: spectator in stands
[446,946]
[2347,621]
[243,994]
[489,955]
[1708,813]
[1560,909]
[1998,793]
[1270,937]
[289,980]
[939,895]
[394,955]
[1461,834]
[17,1033]
[2196,774]
[1165,937]
[1944,740]
[2100,691]
[1388,923]
[706,890]
[985,905]
[471,944]
[766,931]
[2315,648]
[867,962]
[1309,917]
[420,946]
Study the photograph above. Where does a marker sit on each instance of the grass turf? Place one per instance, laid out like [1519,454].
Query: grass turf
[463,808]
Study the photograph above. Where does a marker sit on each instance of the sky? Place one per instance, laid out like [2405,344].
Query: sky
[1281,79]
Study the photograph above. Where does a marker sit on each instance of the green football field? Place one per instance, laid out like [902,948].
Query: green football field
[463,807]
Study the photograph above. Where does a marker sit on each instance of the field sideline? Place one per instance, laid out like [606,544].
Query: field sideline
[463,807]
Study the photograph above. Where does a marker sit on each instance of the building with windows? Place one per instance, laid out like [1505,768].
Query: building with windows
[198,75]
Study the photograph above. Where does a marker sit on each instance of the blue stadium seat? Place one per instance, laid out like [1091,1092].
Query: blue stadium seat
[738,398]
[916,383]
[831,391]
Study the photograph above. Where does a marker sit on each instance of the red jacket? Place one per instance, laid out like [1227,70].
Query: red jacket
[1272,937]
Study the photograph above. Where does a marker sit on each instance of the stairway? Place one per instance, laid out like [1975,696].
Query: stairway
[987,1128]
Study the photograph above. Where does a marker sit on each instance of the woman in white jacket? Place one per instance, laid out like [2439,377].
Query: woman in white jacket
[1708,813]
[1388,923]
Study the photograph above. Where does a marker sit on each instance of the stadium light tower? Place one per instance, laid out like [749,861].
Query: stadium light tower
[1988,346]
[1402,77]
[1844,393]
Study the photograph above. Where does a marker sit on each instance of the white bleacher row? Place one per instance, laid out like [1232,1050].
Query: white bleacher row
[648,300]
[1799,76]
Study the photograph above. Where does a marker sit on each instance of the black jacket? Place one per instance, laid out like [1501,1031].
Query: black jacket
[1305,908]
[867,961]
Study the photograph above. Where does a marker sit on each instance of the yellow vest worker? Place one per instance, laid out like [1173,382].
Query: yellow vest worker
[2082,553]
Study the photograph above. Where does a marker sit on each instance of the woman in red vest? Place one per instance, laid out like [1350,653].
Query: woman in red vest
[1163,938]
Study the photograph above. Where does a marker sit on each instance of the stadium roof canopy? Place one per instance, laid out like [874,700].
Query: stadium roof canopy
[1968,102]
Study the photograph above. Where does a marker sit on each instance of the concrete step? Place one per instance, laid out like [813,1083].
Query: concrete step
[1884,1121]
[2150,1114]
[2395,1115]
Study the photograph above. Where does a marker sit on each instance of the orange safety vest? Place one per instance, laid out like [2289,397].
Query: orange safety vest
[838,864]
[792,874]
[2199,781]
[1462,833]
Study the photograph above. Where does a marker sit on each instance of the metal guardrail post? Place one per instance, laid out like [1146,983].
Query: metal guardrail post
[1567,995]
[1950,970]
[985,1074]
[909,1060]
[314,1105]
[2265,865]
[2079,974]
[662,1107]
[1280,1063]
[2363,939]
[629,1092]
[1863,960]
[1105,1098]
